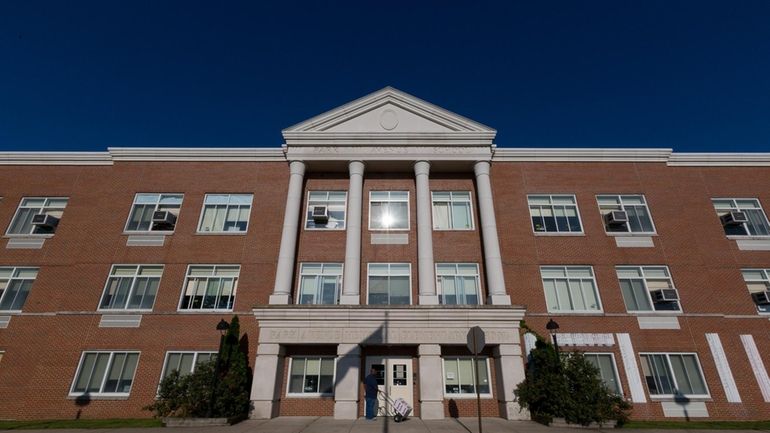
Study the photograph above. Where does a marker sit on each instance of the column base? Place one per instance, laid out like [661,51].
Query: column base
[499,300]
[263,409]
[350,300]
[431,410]
[345,410]
[512,411]
[279,300]
[428,299]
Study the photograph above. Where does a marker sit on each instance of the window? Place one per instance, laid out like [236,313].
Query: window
[390,284]
[452,210]
[29,207]
[105,373]
[460,376]
[311,375]
[635,207]
[15,284]
[326,210]
[184,362]
[131,287]
[225,213]
[755,219]
[570,289]
[210,287]
[389,210]
[647,288]
[608,371]
[673,374]
[143,219]
[458,283]
[320,283]
[758,283]
[554,214]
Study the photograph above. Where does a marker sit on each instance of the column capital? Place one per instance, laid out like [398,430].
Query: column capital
[356,167]
[421,167]
[297,167]
[481,168]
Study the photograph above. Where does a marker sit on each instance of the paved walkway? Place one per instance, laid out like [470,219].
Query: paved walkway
[304,424]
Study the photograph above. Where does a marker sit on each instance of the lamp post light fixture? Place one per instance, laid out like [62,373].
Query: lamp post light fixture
[222,327]
[552,327]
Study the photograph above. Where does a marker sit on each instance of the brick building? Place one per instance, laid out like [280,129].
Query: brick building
[376,237]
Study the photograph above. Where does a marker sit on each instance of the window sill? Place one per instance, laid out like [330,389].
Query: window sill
[547,234]
[683,399]
[336,229]
[389,230]
[316,395]
[747,237]
[656,313]
[99,396]
[221,233]
[641,234]
[30,236]
[205,311]
[122,311]
[465,396]
[454,230]
[149,233]
[577,313]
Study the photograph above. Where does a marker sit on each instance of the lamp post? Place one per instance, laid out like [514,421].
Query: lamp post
[222,327]
[552,327]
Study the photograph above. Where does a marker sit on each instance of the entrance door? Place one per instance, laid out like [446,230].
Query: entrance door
[394,378]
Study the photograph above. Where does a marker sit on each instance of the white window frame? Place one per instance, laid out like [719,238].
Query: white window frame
[408,210]
[227,209]
[739,209]
[368,273]
[460,395]
[194,364]
[551,205]
[14,269]
[43,210]
[628,232]
[208,310]
[450,202]
[647,289]
[73,393]
[615,370]
[479,292]
[765,280]
[323,265]
[304,375]
[673,375]
[566,271]
[157,203]
[133,286]
[307,209]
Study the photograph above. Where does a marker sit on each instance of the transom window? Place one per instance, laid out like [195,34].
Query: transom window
[184,362]
[648,288]
[452,210]
[210,287]
[742,217]
[608,371]
[326,210]
[673,374]
[460,376]
[320,283]
[758,283]
[145,213]
[554,213]
[311,375]
[390,284]
[225,213]
[15,284]
[37,215]
[458,283]
[131,287]
[625,213]
[389,210]
[570,288]
[105,373]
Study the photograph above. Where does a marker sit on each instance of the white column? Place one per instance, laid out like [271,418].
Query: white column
[266,385]
[351,280]
[509,370]
[431,382]
[284,272]
[347,381]
[425,272]
[492,260]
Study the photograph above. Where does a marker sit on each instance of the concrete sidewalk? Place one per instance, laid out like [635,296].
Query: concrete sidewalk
[303,424]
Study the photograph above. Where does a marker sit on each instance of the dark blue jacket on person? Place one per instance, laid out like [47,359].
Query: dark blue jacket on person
[370,386]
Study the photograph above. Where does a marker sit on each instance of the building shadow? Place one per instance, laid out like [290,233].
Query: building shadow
[682,400]
[81,402]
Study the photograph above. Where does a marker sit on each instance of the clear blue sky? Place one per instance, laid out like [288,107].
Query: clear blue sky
[77,75]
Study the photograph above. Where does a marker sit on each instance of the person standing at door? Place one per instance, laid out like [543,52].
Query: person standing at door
[370,393]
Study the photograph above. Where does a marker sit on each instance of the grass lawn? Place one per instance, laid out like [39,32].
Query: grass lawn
[710,425]
[79,423]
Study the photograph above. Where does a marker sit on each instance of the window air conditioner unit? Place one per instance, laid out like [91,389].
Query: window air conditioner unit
[163,219]
[664,295]
[320,214]
[734,218]
[761,298]
[45,221]
[616,217]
